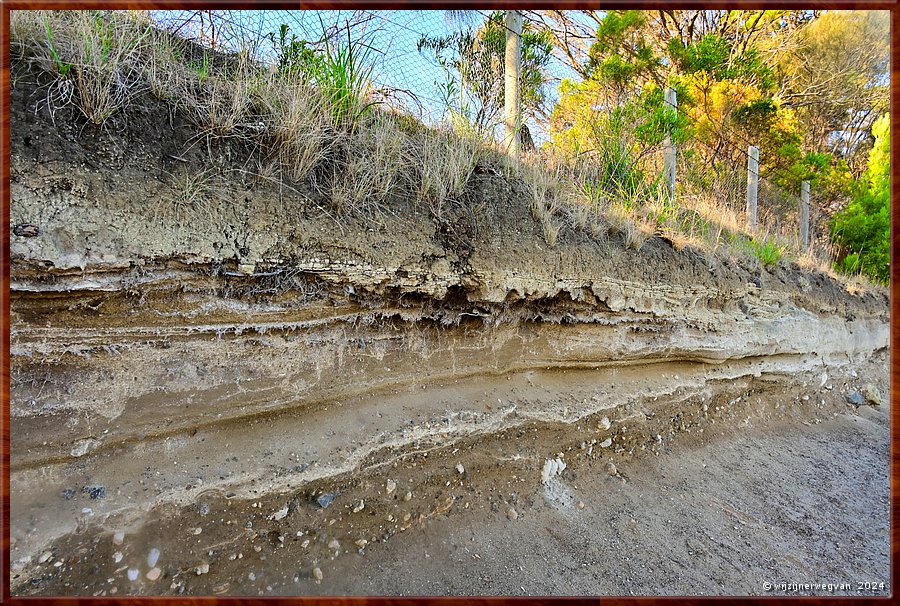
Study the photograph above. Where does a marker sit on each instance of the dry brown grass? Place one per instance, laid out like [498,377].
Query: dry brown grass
[100,53]
[374,170]
[444,161]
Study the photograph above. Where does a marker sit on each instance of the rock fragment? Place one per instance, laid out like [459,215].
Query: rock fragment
[325,499]
[855,398]
[872,394]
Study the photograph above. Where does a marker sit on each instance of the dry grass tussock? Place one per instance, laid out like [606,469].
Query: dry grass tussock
[99,61]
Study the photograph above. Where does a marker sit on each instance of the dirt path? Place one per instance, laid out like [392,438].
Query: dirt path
[770,487]
[765,504]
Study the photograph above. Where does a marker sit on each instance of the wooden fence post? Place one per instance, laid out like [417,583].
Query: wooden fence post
[752,185]
[804,215]
[669,157]
[513,21]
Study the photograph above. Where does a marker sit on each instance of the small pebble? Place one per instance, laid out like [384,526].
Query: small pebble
[26,230]
[86,510]
[334,544]
[391,486]
[362,543]
[153,557]
[305,544]
[317,574]
[68,493]
[611,468]
[133,574]
[202,569]
[198,530]
[44,557]
[117,557]
[251,576]
[95,492]
[359,506]
[325,499]
[605,423]
[460,468]
[606,443]
[154,573]
[57,563]
[118,537]
[512,514]
[580,504]
[407,496]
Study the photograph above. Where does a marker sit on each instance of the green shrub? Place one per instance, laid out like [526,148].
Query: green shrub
[862,230]
[768,252]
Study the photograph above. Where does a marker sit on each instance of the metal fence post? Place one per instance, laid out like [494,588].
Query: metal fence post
[513,22]
[669,157]
[804,215]
[752,185]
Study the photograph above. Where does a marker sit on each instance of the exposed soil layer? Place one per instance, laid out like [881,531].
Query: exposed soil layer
[226,366]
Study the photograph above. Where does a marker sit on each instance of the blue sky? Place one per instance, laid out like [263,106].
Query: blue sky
[398,65]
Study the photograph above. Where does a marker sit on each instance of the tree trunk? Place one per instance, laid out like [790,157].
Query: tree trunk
[513,21]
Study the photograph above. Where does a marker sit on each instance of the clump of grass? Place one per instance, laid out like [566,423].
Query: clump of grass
[295,121]
[344,74]
[192,196]
[100,52]
[768,251]
[374,170]
[546,191]
[444,162]
[217,103]
[815,258]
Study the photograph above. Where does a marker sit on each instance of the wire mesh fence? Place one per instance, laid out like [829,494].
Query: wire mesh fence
[439,65]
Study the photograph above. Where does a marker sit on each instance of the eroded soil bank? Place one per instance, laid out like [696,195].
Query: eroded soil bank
[207,380]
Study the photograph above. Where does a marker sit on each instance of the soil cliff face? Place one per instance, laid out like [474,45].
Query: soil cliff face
[154,340]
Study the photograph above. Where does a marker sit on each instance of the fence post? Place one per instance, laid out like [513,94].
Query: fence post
[752,185]
[669,153]
[513,22]
[804,215]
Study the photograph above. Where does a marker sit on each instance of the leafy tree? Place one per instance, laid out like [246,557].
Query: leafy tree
[835,76]
[473,60]
[863,228]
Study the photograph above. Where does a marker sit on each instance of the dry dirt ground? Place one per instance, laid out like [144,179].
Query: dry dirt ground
[742,500]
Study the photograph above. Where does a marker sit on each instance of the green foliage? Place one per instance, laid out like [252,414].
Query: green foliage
[294,56]
[767,251]
[344,74]
[710,54]
[653,120]
[862,230]
[61,66]
[201,68]
[622,56]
